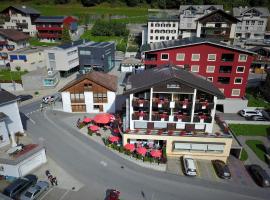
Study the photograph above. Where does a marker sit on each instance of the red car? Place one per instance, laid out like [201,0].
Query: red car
[113,195]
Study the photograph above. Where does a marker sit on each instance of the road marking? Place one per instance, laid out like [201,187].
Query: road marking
[103,163]
[45,194]
[65,194]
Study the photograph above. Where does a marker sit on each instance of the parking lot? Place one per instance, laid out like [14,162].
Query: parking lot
[206,171]
[54,193]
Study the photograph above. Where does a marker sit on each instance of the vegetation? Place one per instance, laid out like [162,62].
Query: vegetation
[65,35]
[249,129]
[255,99]
[109,28]
[244,155]
[7,75]
[35,42]
[258,148]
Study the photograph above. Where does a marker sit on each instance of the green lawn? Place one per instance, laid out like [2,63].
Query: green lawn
[244,155]
[121,42]
[89,14]
[254,99]
[258,148]
[250,130]
[36,42]
[7,75]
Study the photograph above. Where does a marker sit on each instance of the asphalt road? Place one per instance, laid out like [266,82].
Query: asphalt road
[99,169]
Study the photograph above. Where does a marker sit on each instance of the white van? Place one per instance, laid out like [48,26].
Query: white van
[189,166]
[250,113]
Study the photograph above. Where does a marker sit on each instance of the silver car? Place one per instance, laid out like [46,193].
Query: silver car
[35,191]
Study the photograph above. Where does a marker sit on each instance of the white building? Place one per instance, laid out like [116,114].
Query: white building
[20,18]
[94,92]
[253,22]
[29,58]
[189,15]
[64,58]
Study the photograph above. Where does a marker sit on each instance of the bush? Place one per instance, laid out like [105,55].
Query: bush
[81,125]
[109,28]
[244,155]
[36,93]
[90,132]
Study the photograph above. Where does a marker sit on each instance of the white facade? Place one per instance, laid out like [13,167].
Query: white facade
[162,30]
[23,19]
[253,22]
[17,45]
[25,166]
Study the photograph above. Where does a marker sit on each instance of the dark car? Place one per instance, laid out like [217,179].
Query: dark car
[259,175]
[19,185]
[256,118]
[221,169]
[24,97]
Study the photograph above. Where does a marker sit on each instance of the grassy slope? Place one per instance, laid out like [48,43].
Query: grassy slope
[249,130]
[258,148]
[8,75]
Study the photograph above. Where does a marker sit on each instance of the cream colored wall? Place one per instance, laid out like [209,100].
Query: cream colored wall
[198,155]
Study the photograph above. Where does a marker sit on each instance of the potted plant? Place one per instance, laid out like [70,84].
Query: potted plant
[148,131]
[170,132]
[160,132]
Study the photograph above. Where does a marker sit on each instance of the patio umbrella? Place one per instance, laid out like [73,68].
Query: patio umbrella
[141,150]
[102,118]
[87,120]
[129,147]
[155,153]
[93,128]
[114,139]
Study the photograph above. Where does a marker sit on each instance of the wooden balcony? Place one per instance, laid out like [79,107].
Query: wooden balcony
[140,103]
[49,35]
[140,116]
[202,119]
[49,28]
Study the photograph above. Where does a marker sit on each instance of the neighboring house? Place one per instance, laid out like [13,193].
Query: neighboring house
[99,56]
[39,79]
[218,25]
[189,14]
[266,87]
[50,28]
[131,65]
[226,66]
[10,120]
[261,60]
[252,22]
[11,40]
[173,106]
[20,18]
[162,28]
[29,58]
[64,58]
[93,92]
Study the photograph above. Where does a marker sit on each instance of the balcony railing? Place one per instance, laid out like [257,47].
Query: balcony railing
[186,104]
[140,116]
[22,25]
[160,103]
[202,118]
[204,105]
[182,118]
[49,35]
[141,103]
[160,117]
[49,28]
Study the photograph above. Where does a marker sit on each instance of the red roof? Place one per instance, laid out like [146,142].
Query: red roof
[13,35]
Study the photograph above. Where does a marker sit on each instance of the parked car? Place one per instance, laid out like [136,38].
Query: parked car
[259,175]
[221,169]
[19,185]
[189,166]
[112,194]
[255,118]
[48,99]
[249,113]
[266,114]
[24,97]
[35,191]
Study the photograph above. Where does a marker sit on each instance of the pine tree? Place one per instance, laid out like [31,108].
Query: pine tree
[65,35]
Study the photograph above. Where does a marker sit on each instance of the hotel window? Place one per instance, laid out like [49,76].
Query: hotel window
[238,80]
[224,80]
[195,68]
[240,69]
[252,22]
[260,23]
[151,37]
[152,24]
[211,57]
[77,97]
[210,79]
[180,56]
[210,69]
[100,97]
[151,31]
[156,37]
[88,86]
[247,22]
[164,56]
[235,92]
[195,57]
[242,58]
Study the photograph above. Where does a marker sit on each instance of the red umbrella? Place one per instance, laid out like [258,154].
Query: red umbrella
[155,153]
[87,120]
[114,139]
[129,147]
[141,150]
[93,128]
[102,118]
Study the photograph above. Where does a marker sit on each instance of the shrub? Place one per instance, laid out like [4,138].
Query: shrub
[81,125]
[90,132]
[36,93]
[109,28]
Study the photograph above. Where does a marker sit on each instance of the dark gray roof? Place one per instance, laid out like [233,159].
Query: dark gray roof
[155,46]
[49,19]
[151,77]
[200,9]
[224,15]
[24,9]
[72,44]
[6,97]
[238,11]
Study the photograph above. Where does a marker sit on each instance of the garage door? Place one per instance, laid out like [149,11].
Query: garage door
[30,164]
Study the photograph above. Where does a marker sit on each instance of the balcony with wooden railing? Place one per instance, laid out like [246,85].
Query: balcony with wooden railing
[140,102]
[141,115]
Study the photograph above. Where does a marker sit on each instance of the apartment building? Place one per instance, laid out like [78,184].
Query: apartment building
[189,14]
[20,18]
[50,28]
[252,22]
[226,66]
[64,58]
[174,106]
[94,92]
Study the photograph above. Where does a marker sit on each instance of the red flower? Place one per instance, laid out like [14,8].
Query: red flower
[170,132]
[160,132]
